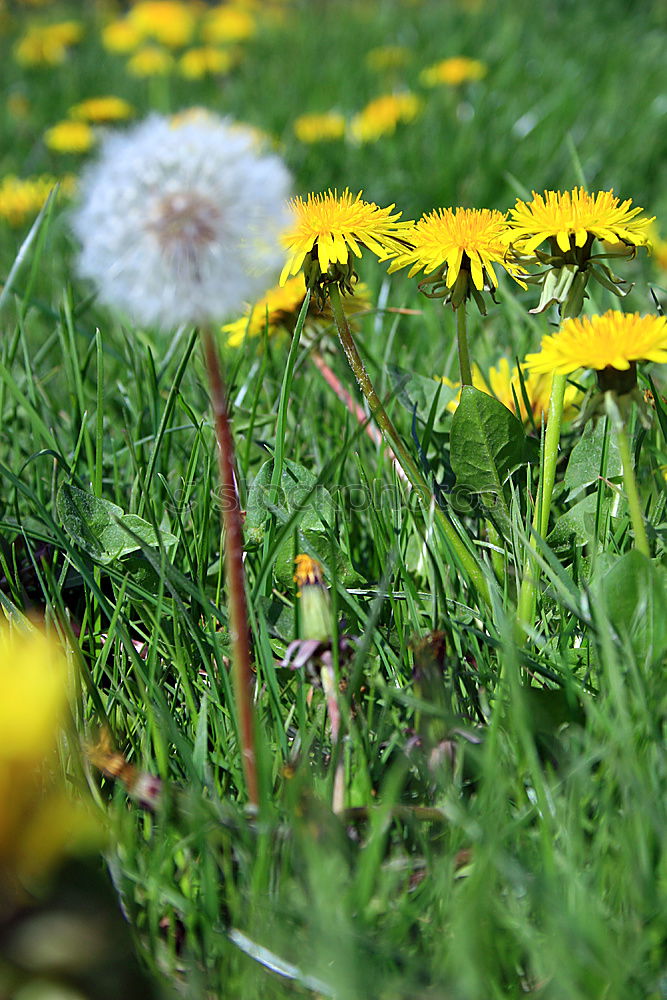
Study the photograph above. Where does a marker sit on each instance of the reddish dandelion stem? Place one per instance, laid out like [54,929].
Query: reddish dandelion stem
[230,514]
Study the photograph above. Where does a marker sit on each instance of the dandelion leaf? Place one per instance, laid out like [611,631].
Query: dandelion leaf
[101,528]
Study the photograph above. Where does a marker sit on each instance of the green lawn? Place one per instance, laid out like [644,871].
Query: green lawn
[504,786]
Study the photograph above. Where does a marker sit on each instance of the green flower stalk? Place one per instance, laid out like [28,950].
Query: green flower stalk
[328,232]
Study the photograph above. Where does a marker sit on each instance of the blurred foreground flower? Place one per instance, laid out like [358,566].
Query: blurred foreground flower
[39,821]
[179,220]
[571,221]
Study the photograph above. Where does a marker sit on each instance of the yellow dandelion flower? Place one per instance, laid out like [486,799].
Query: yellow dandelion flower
[382,115]
[571,219]
[22,198]
[503,382]
[205,61]
[70,137]
[385,57]
[453,72]
[150,60]
[121,36]
[167,21]
[329,228]
[225,24]
[102,110]
[615,340]
[460,248]
[278,311]
[324,127]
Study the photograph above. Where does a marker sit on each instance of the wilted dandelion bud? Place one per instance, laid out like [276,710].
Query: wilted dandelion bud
[314,601]
[179,220]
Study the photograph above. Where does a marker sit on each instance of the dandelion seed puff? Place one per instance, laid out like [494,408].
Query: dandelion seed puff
[179,220]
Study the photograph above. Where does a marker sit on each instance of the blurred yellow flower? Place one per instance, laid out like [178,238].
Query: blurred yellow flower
[504,382]
[453,72]
[388,57]
[324,127]
[102,109]
[39,823]
[382,115]
[121,36]
[204,61]
[46,45]
[228,24]
[278,311]
[70,137]
[22,198]
[150,60]
[167,21]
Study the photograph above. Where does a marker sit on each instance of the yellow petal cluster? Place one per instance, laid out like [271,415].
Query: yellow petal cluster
[452,238]
[334,226]
[381,116]
[570,217]
[614,340]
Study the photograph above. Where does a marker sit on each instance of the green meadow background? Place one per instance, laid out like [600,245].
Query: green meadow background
[509,834]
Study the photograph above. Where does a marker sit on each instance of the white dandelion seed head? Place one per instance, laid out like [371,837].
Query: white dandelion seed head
[179,220]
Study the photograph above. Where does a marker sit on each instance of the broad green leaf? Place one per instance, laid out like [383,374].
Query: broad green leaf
[300,499]
[635,593]
[416,392]
[101,528]
[487,444]
[585,464]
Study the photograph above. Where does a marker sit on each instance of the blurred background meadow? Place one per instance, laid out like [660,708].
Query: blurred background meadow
[503,822]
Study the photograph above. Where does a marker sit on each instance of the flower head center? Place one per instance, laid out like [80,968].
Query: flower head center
[184,225]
